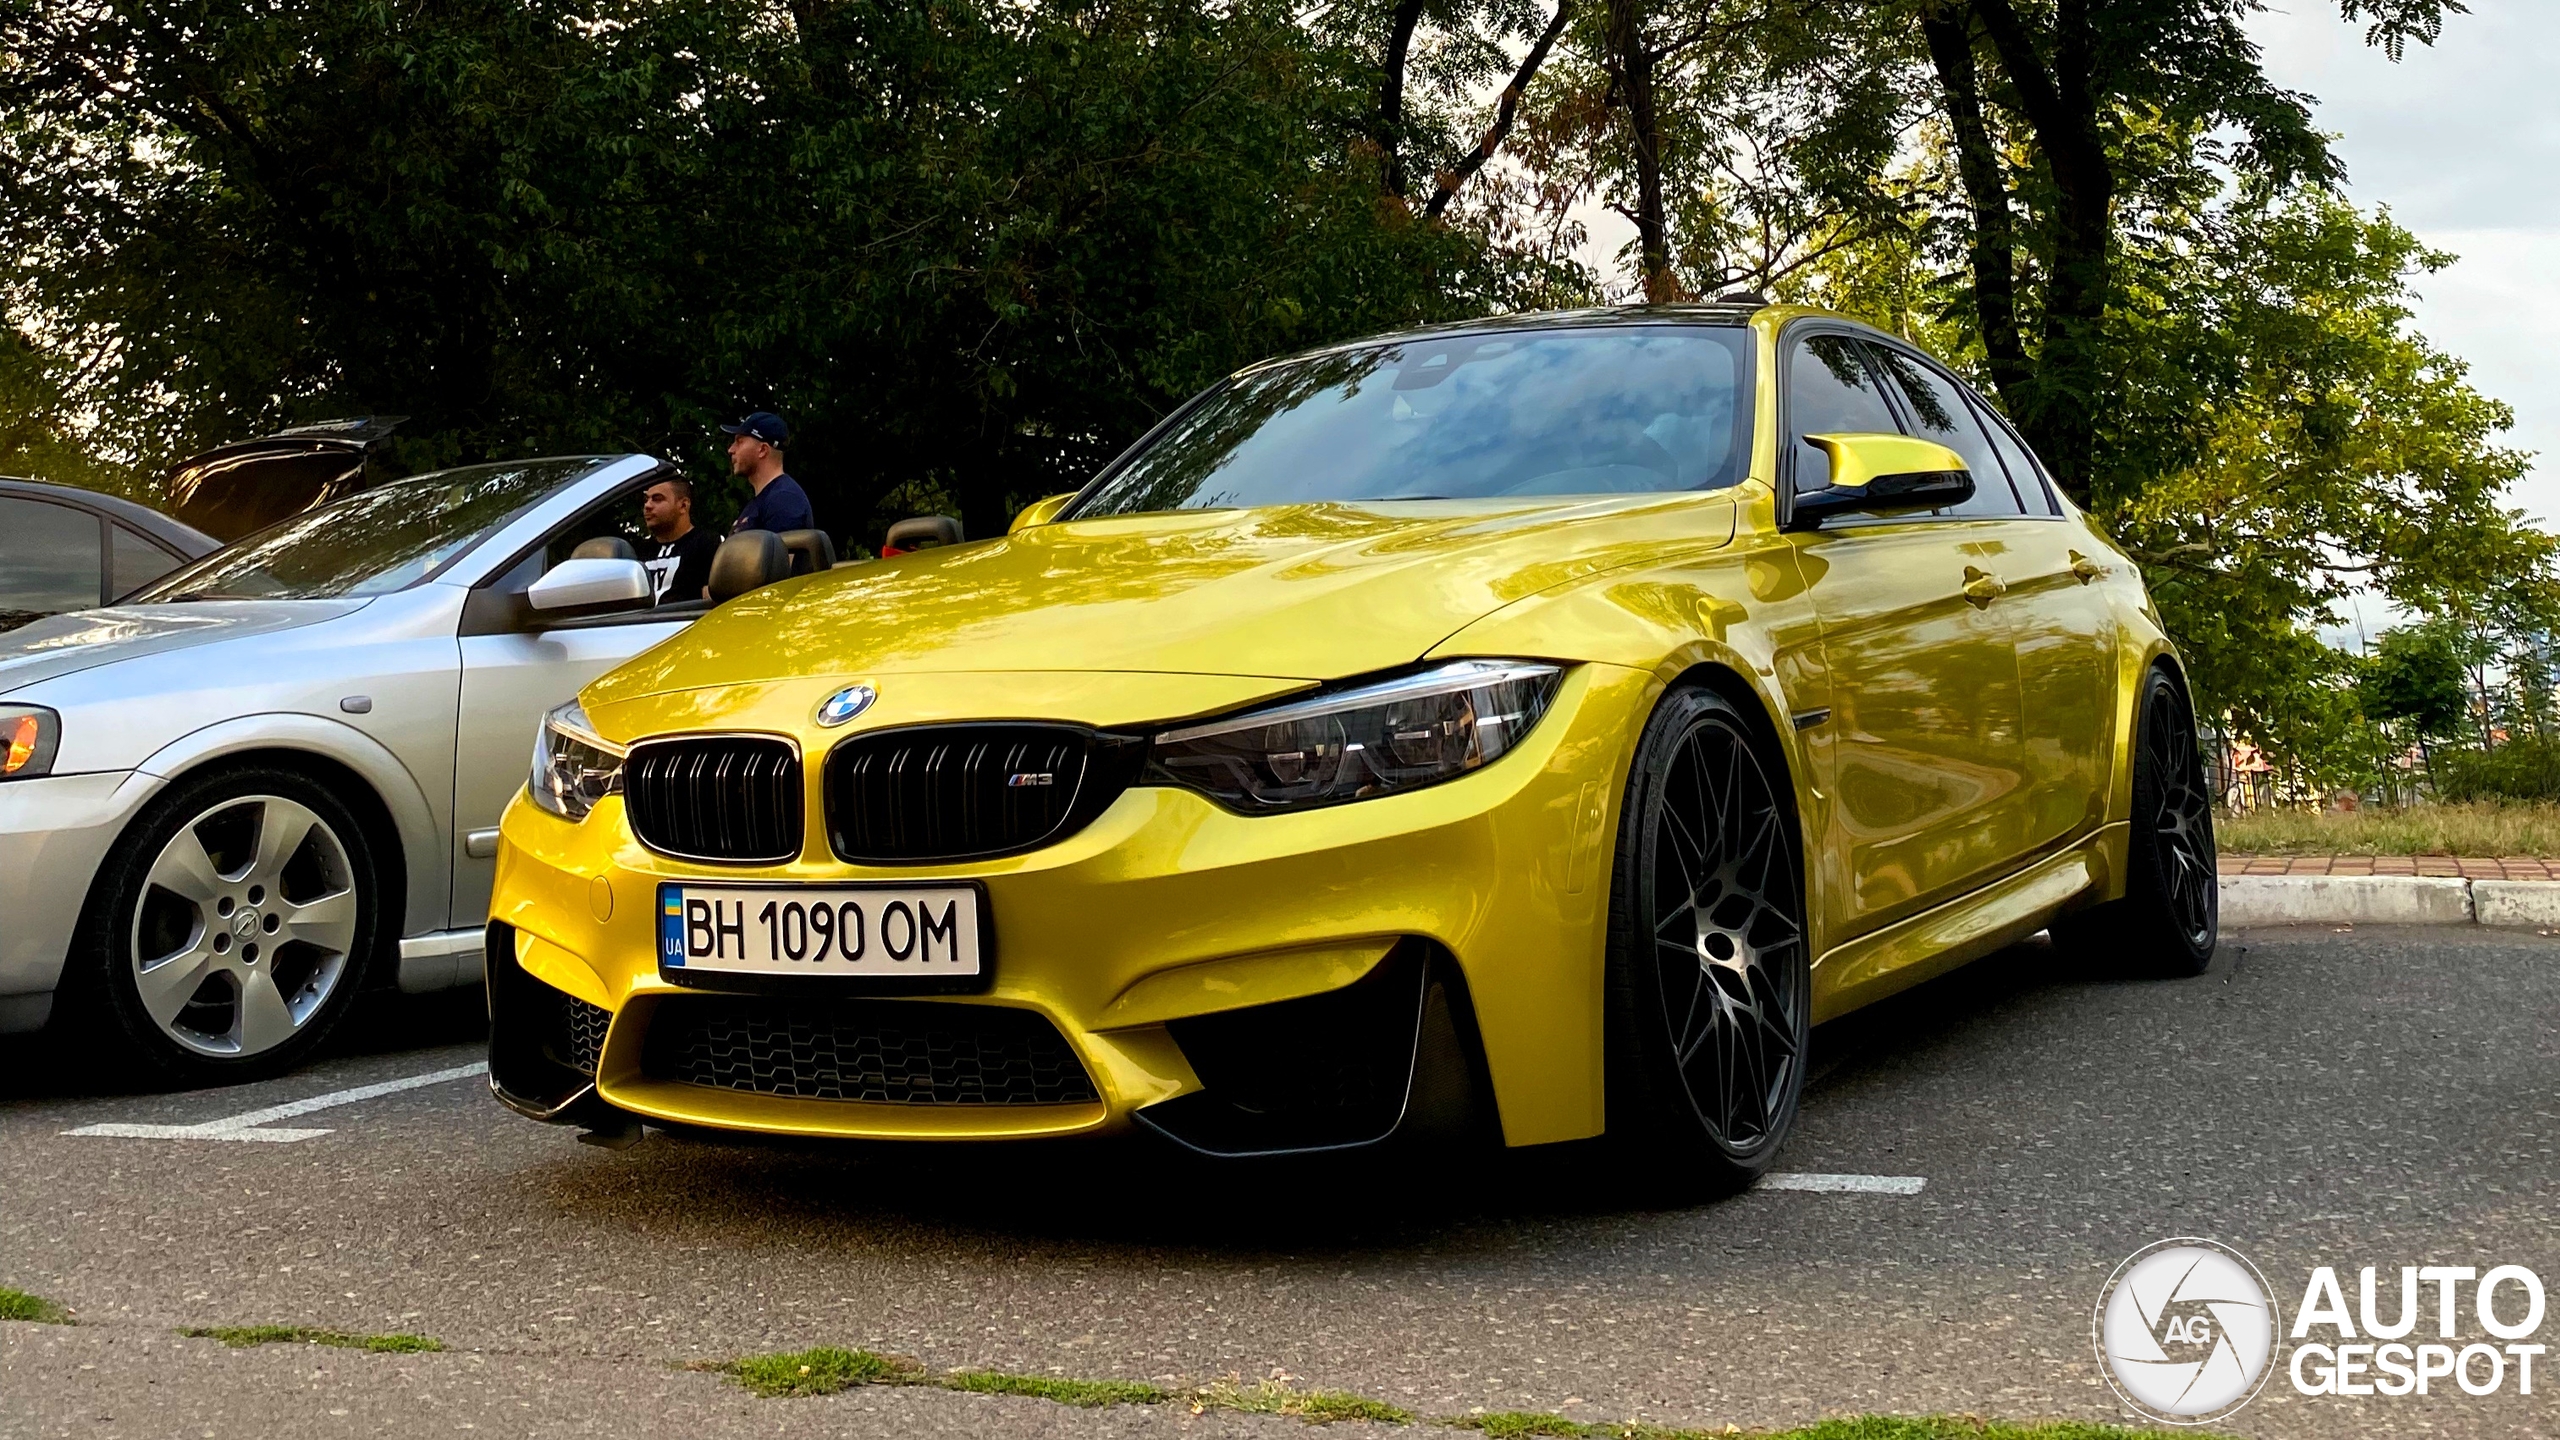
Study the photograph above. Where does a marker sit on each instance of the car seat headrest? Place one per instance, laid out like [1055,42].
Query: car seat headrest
[811,551]
[745,561]
[604,547]
[921,532]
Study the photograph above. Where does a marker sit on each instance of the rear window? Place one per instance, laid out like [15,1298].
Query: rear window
[1605,410]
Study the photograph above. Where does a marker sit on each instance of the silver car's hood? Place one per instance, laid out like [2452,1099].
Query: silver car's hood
[61,644]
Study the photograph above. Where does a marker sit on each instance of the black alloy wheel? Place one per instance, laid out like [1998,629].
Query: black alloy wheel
[229,930]
[2169,919]
[1710,979]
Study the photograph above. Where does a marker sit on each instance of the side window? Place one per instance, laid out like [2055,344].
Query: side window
[49,560]
[1830,391]
[2023,470]
[616,518]
[1938,412]
[133,561]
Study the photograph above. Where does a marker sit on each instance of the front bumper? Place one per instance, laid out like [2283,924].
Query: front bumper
[54,833]
[1163,909]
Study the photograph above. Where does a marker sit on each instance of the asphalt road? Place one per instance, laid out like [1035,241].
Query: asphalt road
[2320,1098]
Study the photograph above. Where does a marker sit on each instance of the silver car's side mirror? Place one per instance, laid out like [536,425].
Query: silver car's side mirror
[583,584]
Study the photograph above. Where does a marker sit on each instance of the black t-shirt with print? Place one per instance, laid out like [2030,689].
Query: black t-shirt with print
[680,568]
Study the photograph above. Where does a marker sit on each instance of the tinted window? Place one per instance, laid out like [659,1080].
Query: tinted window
[134,562]
[1830,391]
[1576,412]
[2023,472]
[49,559]
[1938,412]
[384,539]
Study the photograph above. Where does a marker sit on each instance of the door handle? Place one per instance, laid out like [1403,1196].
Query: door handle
[2085,568]
[1981,586]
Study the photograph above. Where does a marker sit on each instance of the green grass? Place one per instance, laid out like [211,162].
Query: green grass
[2479,829]
[822,1371]
[241,1337]
[1316,1407]
[19,1305]
[1087,1393]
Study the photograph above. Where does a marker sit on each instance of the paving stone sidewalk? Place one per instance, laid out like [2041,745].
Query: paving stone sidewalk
[2461,868]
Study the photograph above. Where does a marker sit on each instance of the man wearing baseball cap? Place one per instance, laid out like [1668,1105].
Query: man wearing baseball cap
[755,451]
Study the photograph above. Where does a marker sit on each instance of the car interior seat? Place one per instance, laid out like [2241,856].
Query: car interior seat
[745,561]
[604,547]
[810,550]
[920,532]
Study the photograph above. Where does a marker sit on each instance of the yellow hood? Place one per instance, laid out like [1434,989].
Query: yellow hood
[1302,592]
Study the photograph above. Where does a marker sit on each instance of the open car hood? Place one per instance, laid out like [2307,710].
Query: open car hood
[1302,591]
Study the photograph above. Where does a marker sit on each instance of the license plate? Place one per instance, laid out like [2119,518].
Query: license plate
[924,931]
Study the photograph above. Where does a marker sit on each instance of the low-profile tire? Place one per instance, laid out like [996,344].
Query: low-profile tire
[228,932]
[1710,983]
[2169,919]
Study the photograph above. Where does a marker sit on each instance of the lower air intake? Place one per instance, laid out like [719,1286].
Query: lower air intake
[894,1052]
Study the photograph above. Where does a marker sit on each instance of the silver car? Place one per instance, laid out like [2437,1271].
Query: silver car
[273,779]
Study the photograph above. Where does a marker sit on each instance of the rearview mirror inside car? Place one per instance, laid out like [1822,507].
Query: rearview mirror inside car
[1879,474]
[1041,511]
[589,584]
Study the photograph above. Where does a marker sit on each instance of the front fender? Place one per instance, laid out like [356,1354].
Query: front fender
[421,819]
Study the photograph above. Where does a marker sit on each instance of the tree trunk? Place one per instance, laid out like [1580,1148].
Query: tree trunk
[1408,14]
[1504,113]
[1994,256]
[1631,62]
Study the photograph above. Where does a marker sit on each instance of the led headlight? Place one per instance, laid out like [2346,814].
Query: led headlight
[28,735]
[1378,739]
[573,766]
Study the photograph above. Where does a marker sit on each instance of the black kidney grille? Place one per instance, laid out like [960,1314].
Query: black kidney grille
[729,797]
[949,792]
[897,1052]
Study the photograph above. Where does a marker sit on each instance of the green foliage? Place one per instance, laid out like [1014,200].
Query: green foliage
[822,1371]
[2415,674]
[2525,768]
[1085,1393]
[241,1337]
[2481,829]
[35,1309]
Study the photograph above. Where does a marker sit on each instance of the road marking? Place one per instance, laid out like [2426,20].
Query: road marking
[242,1127]
[1845,1184]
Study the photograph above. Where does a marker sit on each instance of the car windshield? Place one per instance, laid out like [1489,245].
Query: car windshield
[1598,411]
[387,538]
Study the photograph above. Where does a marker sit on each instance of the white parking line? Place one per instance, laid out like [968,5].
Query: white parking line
[1844,1184]
[240,1127]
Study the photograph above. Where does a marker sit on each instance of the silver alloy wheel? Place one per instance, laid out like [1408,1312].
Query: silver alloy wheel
[244,925]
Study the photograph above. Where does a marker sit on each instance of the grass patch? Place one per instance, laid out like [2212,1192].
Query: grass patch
[2478,829]
[241,1337]
[822,1371]
[1516,1424]
[19,1305]
[1087,1393]
[1316,1407]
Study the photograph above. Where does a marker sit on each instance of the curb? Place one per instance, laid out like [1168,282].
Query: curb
[2388,900]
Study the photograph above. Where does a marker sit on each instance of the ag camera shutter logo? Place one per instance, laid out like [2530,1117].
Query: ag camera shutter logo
[2186,1331]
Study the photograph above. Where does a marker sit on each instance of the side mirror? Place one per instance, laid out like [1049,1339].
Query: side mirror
[589,584]
[1040,512]
[1876,474]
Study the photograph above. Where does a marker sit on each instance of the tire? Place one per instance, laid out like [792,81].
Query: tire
[2170,918]
[1709,986]
[229,930]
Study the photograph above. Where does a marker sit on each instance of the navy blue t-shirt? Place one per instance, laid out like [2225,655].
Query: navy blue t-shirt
[781,505]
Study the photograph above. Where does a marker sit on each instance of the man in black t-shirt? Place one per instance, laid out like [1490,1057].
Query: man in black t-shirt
[679,562]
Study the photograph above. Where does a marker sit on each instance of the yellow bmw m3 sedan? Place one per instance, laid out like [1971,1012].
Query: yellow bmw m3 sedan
[1523,730]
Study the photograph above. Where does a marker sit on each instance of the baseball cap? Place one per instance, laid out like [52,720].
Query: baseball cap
[764,425]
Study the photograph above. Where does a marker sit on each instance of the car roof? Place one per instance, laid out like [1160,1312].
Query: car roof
[1589,317]
[177,534]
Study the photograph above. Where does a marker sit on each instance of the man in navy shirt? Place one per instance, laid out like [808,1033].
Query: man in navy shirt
[755,451]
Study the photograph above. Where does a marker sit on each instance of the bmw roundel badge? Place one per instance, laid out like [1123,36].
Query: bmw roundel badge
[846,703]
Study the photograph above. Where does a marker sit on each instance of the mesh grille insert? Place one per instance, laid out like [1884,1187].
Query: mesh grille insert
[727,797]
[892,1052]
[949,792]
[578,1037]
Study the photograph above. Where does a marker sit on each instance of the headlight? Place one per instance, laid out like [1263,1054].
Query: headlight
[28,735]
[573,766]
[1379,739]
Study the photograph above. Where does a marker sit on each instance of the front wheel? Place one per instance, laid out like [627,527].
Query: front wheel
[1709,980]
[229,929]
[2170,917]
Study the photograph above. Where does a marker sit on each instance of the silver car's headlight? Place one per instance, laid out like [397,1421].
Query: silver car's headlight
[28,735]
[1377,739]
[573,766]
